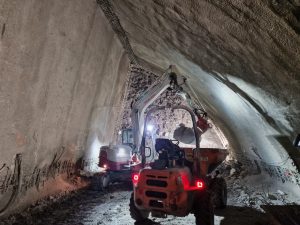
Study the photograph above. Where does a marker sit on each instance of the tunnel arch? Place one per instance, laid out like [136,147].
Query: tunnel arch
[242,68]
[64,67]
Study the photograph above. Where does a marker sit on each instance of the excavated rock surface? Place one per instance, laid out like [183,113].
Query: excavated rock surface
[165,121]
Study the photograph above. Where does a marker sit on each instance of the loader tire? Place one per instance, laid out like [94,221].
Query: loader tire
[135,213]
[203,210]
[105,181]
[219,193]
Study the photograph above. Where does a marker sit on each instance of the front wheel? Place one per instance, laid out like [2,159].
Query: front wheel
[102,182]
[135,213]
[105,181]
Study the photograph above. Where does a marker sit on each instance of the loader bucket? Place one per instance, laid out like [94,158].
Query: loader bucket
[209,158]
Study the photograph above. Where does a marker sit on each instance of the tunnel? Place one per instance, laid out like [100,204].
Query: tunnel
[71,71]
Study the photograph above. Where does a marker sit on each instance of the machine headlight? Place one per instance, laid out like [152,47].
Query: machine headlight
[150,127]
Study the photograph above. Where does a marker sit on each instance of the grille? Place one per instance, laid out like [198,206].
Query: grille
[156,194]
[156,204]
[152,176]
[157,183]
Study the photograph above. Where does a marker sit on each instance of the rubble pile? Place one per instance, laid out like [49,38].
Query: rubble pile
[245,190]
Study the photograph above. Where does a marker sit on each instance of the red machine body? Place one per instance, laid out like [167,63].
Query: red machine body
[115,158]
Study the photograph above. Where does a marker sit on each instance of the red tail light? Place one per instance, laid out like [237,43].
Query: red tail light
[199,184]
[135,178]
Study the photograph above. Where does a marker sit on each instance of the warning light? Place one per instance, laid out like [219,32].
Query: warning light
[135,178]
[199,184]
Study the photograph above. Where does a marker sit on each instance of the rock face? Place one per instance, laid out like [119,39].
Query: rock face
[63,72]
[243,60]
[164,122]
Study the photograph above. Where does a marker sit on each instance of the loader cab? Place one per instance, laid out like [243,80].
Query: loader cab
[159,147]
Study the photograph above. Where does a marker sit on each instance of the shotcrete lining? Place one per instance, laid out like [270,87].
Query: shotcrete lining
[265,54]
[60,78]
[210,41]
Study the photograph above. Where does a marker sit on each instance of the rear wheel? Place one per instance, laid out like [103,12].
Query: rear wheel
[105,180]
[135,213]
[102,182]
[203,210]
[219,193]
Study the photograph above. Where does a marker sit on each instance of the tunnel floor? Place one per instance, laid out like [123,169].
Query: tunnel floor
[92,207]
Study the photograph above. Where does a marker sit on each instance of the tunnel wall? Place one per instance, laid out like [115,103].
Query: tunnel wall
[241,58]
[63,72]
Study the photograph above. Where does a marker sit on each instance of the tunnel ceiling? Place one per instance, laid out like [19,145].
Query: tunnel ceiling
[257,41]
[242,58]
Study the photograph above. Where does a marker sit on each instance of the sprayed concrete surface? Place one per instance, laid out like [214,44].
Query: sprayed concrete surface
[242,59]
[63,72]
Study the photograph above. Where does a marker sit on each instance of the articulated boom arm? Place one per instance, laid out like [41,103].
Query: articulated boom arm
[168,80]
